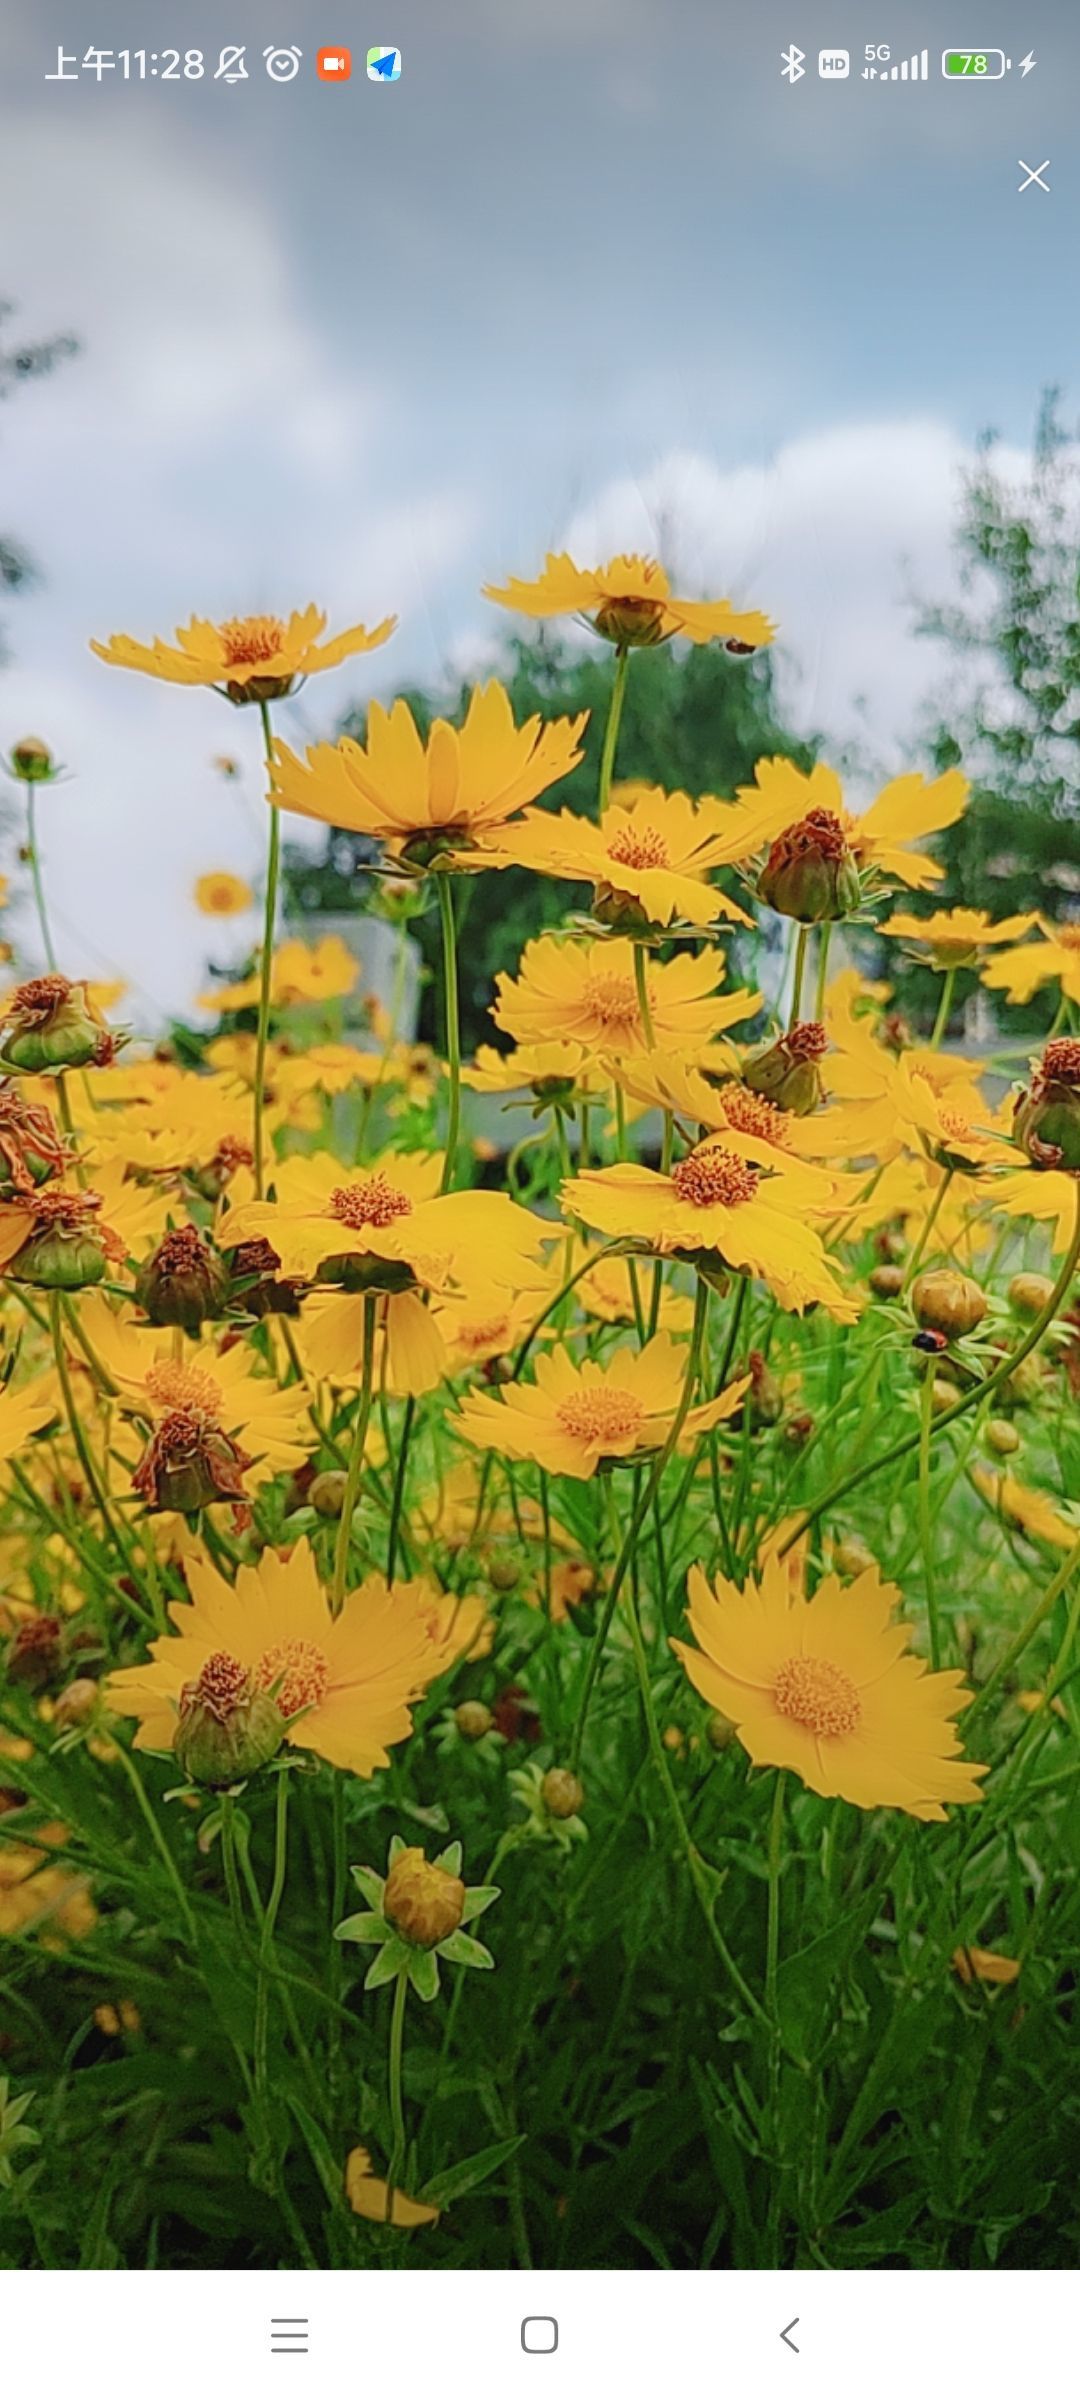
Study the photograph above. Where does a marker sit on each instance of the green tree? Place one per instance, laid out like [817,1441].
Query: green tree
[22,363]
[694,721]
[1014,724]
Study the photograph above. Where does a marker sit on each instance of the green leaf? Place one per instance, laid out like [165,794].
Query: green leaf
[386,1963]
[371,1885]
[326,2166]
[450,1859]
[476,1900]
[367,1926]
[462,1951]
[424,1974]
[470,2173]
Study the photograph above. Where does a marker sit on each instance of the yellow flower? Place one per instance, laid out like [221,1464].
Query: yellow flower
[575,1419]
[342,1684]
[440,799]
[955,1125]
[987,1966]
[647,859]
[223,895]
[718,1203]
[1024,1511]
[586,992]
[783,801]
[1054,959]
[21,1415]
[387,1226]
[246,658]
[299,971]
[486,1325]
[223,1388]
[829,1688]
[955,937]
[607,1292]
[630,602]
[39,1899]
[556,1070]
[369,2196]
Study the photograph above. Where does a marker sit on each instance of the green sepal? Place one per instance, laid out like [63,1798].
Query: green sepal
[424,1973]
[367,1926]
[450,1859]
[370,1884]
[461,1951]
[477,1899]
[386,1963]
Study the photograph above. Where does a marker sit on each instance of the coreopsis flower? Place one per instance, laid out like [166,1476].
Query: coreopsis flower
[954,937]
[387,1226]
[648,859]
[410,1352]
[485,1325]
[416,1916]
[369,2196]
[221,1394]
[1047,1119]
[1025,1511]
[1055,958]
[819,859]
[630,602]
[52,1022]
[829,1688]
[557,1073]
[32,1146]
[22,1414]
[245,658]
[730,1105]
[950,1121]
[220,894]
[586,991]
[578,1420]
[606,1292]
[58,1239]
[342,1684]
[435,802]
[299,972]
[721,1208]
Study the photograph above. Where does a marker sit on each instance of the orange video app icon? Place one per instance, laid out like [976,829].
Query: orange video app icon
[334,66]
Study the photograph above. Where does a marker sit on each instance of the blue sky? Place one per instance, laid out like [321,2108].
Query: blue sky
[572,278]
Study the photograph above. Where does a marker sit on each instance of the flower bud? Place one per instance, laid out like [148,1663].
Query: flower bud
[65,1247]
[1047,1120]
[799,1428]
[1002,1437]
[33,1653]
[52,1022]
[810,873]
[787,1072]
[473,1719]
[256,1286]
[852,1556]
[764,1401]
[189,1462]
[76,1703]
[227,1727]
[327,1493]
[183,1282]
[886,1283]
[942,1395]
[422,1900]
[719,1730]
[947,1302]
[562,1793]
[31,760]
[504,1572]
[1028,1295]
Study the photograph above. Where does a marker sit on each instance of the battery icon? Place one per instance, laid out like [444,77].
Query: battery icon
[975,66]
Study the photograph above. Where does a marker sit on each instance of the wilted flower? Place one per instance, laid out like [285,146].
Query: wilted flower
[51,1022]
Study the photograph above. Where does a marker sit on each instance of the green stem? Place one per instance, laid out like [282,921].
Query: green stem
[637,1520]
[1042,1610]
[228,1859]
[944,1009]
[932,1214]
[398,1495]
[266,962]
[926,1519]
[606,1250]
[34,864]
[453,1024]
[802,939]
[699,1875]
[824,941]
[160,1844]
[611,730]
[772,1937]
[356,1457]
[641,980]
[978,1391]
[266,1945]
[88,1462]
[397,2104]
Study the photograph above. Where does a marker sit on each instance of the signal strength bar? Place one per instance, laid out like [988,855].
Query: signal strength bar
[910,70]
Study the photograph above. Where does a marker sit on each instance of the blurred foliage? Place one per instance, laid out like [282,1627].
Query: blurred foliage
[694,721]
[21,363]
[1012,719]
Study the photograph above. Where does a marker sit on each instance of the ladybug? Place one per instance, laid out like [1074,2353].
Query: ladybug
[930,1341]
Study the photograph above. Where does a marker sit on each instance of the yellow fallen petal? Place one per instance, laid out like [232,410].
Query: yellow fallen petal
[367,2196]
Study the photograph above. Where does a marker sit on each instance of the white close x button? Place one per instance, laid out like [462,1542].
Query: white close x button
[1034,175]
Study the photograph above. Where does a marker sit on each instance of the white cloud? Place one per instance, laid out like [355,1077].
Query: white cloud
[832,538]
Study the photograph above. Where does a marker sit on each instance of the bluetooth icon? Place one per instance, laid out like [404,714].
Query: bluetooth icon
[792,63]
